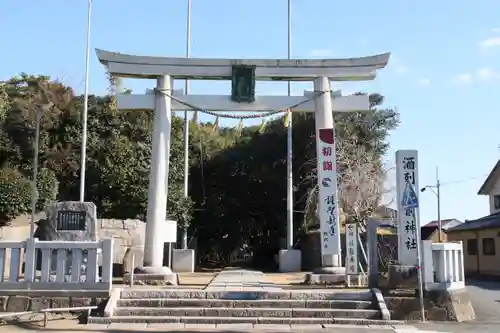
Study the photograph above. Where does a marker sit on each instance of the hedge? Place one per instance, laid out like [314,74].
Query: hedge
[15,194]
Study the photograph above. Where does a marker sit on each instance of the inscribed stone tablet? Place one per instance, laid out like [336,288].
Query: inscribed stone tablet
[67,220]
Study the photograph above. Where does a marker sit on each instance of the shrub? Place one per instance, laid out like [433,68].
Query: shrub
[15,194]
[48,187]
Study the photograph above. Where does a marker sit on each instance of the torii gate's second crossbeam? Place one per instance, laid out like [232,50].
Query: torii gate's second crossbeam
[223,103]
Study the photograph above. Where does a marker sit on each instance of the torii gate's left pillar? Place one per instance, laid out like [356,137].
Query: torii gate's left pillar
[153,269]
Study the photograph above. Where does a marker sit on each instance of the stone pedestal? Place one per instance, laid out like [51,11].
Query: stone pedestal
[330,260]
[290,260]
[153,276]
[327,275]
[330,273]
[183,260]
[403,277]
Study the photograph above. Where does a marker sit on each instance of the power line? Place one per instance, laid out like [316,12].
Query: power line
[463,180]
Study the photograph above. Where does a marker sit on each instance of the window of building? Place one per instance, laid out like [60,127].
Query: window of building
[472,247]
[496,201]
[488,246]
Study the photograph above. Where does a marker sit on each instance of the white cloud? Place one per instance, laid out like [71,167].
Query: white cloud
[321,53]
[490,42]
[487,74]
[424,81]
[464,78]
[484,74]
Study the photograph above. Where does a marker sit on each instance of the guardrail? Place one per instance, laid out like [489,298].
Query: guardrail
[67,268]
[443,265]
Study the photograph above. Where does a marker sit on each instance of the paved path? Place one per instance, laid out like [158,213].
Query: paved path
[242,280]
[471,327]
[485,297]
[73,327]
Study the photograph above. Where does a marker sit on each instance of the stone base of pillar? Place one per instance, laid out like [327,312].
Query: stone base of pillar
[183,260]
[330,270]
[290,260]
[330,260]
[326,275]
[153,276]
[330,273]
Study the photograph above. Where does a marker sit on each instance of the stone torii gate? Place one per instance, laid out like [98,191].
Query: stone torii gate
[243,73]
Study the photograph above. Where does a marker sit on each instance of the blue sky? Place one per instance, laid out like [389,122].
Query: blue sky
[444,75]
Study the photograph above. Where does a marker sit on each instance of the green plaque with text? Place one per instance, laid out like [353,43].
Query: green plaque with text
[243,84]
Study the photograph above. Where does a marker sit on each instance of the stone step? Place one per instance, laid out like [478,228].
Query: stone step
[371,322]
[247,312]
[211,320]
[261,303]
[229,294]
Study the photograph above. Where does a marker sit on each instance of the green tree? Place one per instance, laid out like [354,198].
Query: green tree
[244,185]
[48,187]
[15,194]
[237,175]
[118,150]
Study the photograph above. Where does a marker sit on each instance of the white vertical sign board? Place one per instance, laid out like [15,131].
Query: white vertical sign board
[351,237]
[170,231]
[328,201]
[408,219]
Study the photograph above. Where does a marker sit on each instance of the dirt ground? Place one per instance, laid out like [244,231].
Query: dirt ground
[285,278]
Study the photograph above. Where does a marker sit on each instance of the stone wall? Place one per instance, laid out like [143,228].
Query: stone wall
[15,304]
[439,306]
[128,234]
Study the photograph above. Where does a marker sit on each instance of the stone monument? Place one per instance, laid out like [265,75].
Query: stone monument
[68,221]
[404,273]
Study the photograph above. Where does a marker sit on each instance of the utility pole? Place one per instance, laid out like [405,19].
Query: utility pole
[39,110]
[437,193]
[34,189]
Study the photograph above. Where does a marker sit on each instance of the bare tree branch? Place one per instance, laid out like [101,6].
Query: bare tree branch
[362,180]
[362,183]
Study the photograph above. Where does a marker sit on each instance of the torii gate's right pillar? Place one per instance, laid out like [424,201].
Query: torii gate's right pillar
[328,201]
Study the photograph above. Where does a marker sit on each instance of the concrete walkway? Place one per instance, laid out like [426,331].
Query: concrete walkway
[73,327]
[241,280]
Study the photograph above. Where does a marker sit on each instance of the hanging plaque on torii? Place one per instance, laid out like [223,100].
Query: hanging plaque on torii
[243,83]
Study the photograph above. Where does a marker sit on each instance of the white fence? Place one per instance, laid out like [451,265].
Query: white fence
[443,265]
[67,268]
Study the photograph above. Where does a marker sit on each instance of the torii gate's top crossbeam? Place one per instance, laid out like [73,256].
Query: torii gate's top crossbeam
[354,69]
